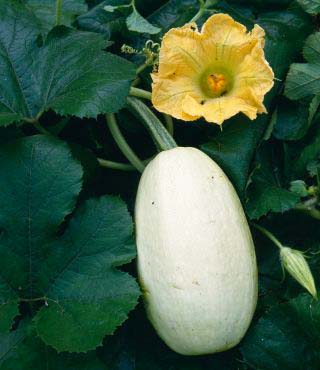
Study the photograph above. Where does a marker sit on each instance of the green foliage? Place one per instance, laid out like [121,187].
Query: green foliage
[310,6]
[21,350]
[101,20]
[85,296]
[265,192]
[308,154]
[136,23]
[287,337]
[58,74]
[45,10]
[299,187]
[303,78]
[291,120]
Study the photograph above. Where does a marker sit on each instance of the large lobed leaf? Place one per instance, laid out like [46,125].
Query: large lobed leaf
[76,275]
[45,10]
[303,79]
[21,350]
[287,337]
[265,192]
[310,6]
[70,73]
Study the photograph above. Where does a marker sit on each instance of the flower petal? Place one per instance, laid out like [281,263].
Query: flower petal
[222,29]
[219,109]
[181,51]
[227,41]
[254,73]
[168,95]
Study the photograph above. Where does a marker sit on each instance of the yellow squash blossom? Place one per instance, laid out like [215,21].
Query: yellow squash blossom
[214,73]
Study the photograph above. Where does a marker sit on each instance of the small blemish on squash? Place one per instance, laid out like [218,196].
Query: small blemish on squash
[176,287]
[152,203]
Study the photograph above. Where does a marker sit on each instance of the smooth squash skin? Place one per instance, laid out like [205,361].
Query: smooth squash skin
[196,258]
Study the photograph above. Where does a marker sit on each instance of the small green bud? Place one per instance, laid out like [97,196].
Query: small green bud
[297,266]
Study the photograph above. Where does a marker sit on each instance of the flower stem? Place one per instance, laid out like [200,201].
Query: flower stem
[268,234]
[140,93]
[308,210]
[202,9]
[145,65]
[119,166]
[58,12]
[169,123]
[122,143]
[160,135]
[115,165]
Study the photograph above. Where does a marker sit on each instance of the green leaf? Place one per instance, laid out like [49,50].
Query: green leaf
[22,350]
[287,337]
[313,167]
[87,293]
[39,189]
[135,22]
[313,108]
[57,75]
[9,341]
[8,306]
[45,10]
[303,79]
[233,149]
[310,6]
[265,193]
[76,275]
[174,13]
[309,153]
[311,50]
[299,187]
[14,46]
[103,21]
[291,120]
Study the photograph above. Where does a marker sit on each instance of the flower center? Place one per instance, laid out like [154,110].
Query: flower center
[217,83]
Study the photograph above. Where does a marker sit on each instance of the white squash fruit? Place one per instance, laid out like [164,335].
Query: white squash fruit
[196,259]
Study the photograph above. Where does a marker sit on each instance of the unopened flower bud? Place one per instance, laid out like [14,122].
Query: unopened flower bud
[297,266]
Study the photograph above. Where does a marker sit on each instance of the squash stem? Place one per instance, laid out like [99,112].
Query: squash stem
[268,234]
[161,137]
[122,143]
[140,93]
[58,12]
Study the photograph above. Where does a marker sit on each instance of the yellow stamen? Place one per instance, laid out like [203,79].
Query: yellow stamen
[217,83]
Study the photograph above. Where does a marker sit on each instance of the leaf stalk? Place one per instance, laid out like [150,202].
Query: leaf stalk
[122,143]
